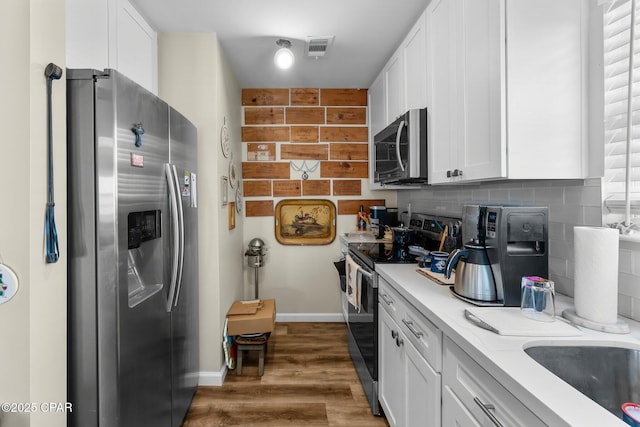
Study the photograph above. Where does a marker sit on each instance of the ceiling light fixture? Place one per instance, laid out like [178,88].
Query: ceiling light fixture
[284,56]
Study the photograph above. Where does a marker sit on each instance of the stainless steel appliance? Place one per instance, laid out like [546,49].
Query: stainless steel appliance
[502,244]
[133,256]
[473,277]
[363,323]
[401,150]
[255,254]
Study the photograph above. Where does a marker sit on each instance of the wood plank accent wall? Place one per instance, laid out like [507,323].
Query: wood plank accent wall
[288,131]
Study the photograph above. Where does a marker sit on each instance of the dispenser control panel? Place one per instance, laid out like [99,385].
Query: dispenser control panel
[492,220]
[143,226]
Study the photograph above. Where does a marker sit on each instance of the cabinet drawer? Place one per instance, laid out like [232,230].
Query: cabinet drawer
[390,300]
[424,335]
[480,393]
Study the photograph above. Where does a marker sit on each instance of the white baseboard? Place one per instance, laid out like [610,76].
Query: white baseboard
[212,378]
[309,317]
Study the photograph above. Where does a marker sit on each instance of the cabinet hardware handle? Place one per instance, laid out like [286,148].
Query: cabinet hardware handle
[394,334]
[386,299]
[418,334]
[448,174]
[398,153]
[399,341]
[455,172]
[487,408]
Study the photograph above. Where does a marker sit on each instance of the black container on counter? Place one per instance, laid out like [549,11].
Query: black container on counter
[377,220]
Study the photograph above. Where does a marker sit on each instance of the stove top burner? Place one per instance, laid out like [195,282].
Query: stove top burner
[386,253]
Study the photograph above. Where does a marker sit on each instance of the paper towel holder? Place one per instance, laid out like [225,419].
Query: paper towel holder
[620,327]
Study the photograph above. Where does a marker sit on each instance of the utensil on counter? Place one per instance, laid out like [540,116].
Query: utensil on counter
[443,237]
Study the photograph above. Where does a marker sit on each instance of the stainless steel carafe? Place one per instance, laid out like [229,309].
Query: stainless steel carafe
[474,277]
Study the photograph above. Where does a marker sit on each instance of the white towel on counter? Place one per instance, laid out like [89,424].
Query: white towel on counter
[354,283]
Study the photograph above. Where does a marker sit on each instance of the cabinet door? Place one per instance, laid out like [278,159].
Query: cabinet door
[479,72]
[134,47]
[415,66]
[422,390]
[454,412]
[394,81]
[545,95]
[377,106]
[442,119]
[391,369]
[480,393]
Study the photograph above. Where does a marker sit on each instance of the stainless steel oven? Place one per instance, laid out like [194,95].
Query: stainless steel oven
[363,324]
[363,330]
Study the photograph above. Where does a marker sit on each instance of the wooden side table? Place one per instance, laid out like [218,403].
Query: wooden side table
[258,343]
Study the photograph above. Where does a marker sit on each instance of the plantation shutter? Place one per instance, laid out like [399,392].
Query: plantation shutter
[617,72]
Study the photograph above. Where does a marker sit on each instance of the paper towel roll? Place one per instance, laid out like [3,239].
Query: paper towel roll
[596,273]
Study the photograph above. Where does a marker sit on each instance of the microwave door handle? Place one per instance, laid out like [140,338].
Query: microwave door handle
[398,136]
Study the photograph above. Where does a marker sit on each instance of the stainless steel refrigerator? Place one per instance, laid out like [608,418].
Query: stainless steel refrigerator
[133,257]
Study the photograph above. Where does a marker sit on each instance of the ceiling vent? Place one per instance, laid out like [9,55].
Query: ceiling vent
[317,46]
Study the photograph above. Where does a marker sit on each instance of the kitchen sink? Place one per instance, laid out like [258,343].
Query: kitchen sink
[609,376]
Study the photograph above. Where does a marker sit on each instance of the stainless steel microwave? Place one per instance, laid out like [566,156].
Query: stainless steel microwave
[400,150]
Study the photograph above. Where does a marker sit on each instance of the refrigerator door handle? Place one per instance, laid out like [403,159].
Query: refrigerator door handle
[181,235]
[175,226]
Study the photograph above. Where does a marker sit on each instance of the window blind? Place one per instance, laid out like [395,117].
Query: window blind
[622,106]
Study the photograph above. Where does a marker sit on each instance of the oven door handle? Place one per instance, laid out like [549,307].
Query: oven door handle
[366,273]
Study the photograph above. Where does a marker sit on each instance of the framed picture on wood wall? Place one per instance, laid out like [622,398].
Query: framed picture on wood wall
[231,208]
[305,222]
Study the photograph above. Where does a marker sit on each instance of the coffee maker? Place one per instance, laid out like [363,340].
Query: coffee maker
[502,244]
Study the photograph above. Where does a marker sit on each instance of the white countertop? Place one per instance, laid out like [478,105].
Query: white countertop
[555,402]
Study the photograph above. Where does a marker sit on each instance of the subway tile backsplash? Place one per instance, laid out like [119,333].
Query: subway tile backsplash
[570,202]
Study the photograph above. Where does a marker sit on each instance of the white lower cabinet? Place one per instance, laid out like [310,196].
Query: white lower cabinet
[422,387]
[472,397]
[409,386]
[391,369]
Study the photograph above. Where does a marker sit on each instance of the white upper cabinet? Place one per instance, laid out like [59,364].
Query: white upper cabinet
[400,86]
[404,77]
[414,49]
[500,102]
[112,34]
[377,107]
[394,82]
[136,51]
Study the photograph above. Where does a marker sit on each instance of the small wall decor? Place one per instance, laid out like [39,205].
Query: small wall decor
[231,208]
[225,143]
[224,190]
[239,198]
[233,176]
[304,168]
[305,222]
[9,283]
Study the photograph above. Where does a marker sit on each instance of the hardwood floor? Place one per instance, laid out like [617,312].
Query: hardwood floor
[308,381]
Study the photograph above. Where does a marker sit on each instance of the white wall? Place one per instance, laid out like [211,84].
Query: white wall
[194,78]
[33,348]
